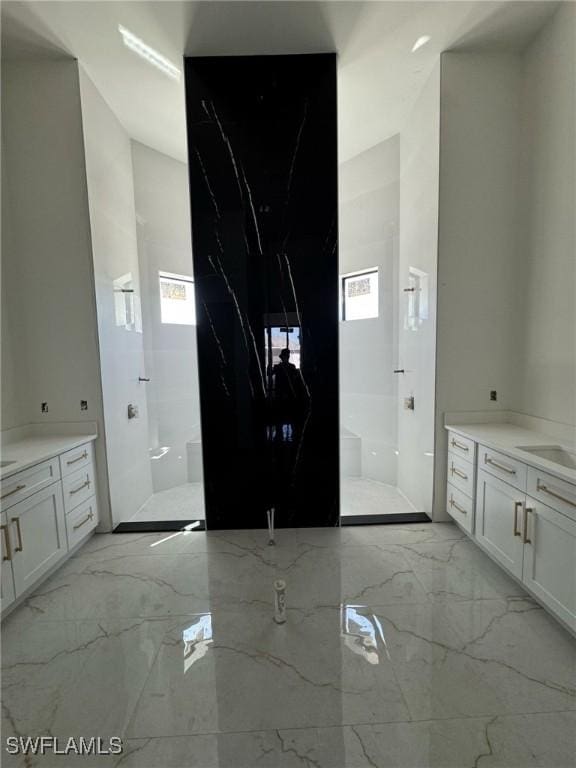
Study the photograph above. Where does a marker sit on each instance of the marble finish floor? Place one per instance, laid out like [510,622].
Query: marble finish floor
[183,502]
[404,646]
[362,496]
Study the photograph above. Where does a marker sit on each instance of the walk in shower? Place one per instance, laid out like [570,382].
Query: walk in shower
[388,216]
[149,347]
[266,327]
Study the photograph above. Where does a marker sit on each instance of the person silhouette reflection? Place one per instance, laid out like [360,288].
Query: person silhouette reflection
[288,397]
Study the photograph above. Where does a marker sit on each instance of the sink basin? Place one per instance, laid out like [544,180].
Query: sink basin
[554,453]
[6,464]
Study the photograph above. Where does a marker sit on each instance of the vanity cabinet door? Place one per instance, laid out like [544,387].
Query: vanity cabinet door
[6,578]
[550,558]
[499,511]
[38,535]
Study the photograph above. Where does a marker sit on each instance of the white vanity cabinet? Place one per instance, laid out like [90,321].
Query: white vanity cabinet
[37,534]
[461,480]
[499,511]
[47,510]
[522,516]
[549,565]
[7,591]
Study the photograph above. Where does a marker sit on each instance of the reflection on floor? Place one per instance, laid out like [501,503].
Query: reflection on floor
[360,496]
[404,646]
[183,502]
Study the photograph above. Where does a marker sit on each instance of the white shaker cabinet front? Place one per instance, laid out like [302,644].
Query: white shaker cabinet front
[37,531]
[550,558]
[499,510]
[7,590]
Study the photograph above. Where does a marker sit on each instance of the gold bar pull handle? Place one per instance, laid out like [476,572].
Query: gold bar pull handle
[541,487]
[80,488]
[13,491]
[457,506]
[456,444]
[458,472]
[488,460]
[83,455]
[525,538]
[6,532]
[88,517]
[20,546]
[517,506]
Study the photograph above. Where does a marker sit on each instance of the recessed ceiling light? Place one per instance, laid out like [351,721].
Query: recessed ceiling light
[420,42]
[149,54]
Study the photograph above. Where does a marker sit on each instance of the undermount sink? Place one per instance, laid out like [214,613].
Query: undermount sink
[554,453]
[6,464]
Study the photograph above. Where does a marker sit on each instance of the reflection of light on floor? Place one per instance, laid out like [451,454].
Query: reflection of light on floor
[362,632]
[183,532]
[159,452]
[197,637]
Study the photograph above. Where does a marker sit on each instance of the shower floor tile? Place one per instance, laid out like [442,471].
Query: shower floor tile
[183,502]
[362,496]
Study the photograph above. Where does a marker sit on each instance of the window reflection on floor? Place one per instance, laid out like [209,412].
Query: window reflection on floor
[197,637]
[362,632]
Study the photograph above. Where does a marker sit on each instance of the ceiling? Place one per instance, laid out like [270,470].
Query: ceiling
[379,77]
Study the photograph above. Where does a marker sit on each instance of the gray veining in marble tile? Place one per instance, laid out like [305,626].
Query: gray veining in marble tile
[258,675]
[458,570]
[403,647]
[433,744]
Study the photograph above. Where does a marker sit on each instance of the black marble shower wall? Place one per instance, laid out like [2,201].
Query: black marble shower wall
[263,183]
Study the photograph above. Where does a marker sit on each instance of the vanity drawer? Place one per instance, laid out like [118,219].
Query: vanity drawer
[23,484]
[502,466]
[461,474]
[81,521]
[460,507]
[556,493]
[78,487]
[461,446]
[76,459]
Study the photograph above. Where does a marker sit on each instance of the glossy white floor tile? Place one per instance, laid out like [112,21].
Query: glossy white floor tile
[404,646]
[183,502]
[362,496]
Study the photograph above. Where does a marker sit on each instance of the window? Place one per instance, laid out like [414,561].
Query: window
[360,295]
[177,303]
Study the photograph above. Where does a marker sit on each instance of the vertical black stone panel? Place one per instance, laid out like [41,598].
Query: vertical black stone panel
[263,186]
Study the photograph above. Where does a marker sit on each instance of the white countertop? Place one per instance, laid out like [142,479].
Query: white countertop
[32,449]
[507,437]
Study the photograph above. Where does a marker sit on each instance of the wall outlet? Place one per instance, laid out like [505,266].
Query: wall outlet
[493,395]
[132,411]
[83,405]
[44,408]
[409,403]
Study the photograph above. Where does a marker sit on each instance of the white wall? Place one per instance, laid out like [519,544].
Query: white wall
[13,374]
[546,380]
[507,255]
[49,340]
[368,233]
[164,244]
[115,254]
[419,162]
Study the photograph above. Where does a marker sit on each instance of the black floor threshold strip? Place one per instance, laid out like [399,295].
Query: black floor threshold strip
[160,526]
[389,519]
